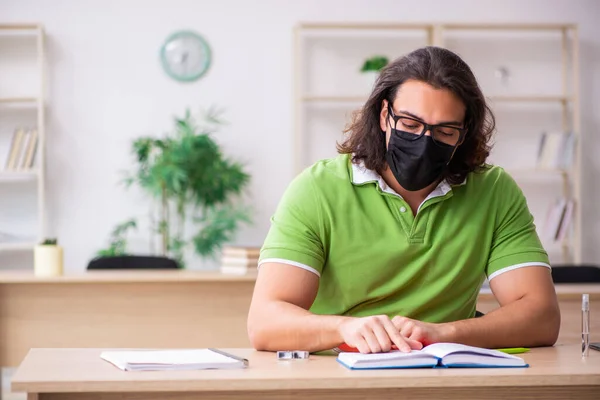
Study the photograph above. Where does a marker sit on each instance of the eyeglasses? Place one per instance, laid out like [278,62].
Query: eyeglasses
[441,134]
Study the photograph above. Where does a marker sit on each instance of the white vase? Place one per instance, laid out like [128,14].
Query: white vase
[47,260]
[370,77]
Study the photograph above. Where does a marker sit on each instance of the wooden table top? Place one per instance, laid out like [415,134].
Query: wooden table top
[82,370]
[128,276]
[160,276]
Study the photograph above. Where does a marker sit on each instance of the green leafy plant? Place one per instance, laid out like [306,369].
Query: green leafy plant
[375,63]
[118,243]
[49,242]
[197,187]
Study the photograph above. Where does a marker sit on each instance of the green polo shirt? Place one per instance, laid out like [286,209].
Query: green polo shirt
[343,223]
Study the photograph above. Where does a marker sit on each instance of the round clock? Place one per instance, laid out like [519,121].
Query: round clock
[185,56]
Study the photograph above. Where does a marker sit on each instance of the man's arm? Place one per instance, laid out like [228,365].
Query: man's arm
[528,315]
[279,318]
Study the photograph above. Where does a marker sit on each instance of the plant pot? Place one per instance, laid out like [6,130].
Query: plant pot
[47,260]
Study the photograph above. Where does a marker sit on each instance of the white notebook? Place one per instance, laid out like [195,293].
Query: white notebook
[173,360]
[440,355]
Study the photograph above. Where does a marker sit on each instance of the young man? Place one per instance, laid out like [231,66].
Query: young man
[389,243]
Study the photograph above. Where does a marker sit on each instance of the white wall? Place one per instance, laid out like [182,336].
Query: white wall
[106,87]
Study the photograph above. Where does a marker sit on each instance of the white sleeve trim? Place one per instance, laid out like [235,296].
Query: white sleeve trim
[289,262]
[517,266]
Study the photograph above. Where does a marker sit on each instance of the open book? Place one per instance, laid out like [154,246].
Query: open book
[173,360]
[441,355]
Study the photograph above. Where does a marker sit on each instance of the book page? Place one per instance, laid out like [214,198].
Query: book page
[440,350]
[392,355]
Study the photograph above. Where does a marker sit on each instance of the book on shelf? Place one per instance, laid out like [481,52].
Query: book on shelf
[239,259]
[438,355]
[559,219]
[555,150]
[21,153]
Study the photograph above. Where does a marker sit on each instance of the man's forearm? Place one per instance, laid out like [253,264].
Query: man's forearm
[284,326]
[525,322]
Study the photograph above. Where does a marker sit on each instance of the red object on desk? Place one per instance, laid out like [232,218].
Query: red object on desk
[349,349]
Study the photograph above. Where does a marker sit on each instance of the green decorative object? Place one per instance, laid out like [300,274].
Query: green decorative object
[185,56]
[118,243]
[49,242]
[375,63]
[197,187]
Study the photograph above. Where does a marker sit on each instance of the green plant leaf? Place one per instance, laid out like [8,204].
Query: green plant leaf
[188,168]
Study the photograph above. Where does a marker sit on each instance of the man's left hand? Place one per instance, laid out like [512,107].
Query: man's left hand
[425,332]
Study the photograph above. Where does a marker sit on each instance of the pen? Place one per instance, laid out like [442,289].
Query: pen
[585,325]
[221,352]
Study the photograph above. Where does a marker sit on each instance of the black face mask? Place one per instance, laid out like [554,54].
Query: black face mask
[416,163]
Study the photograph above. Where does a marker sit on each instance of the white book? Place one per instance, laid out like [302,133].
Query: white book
[234,269]
[440,355]
[554,218]
[173,360]
[550,154]
[566,221]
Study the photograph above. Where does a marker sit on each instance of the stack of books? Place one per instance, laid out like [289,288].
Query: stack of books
[556,150]
[558,220]
[239,259]
[21,153]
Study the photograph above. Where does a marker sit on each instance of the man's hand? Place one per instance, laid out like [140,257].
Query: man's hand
[375,334]
[425,333]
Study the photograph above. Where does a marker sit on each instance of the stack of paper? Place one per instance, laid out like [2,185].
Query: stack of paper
[173,360]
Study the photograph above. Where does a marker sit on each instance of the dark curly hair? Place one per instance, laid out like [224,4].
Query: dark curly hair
[441,69]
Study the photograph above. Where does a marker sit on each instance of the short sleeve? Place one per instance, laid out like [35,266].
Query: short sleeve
[515,242]
[294,235]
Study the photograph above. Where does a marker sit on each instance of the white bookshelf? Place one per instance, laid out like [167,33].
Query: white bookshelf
[542,94]
[22,106]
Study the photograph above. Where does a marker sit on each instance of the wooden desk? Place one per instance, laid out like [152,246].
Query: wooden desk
[69,374]
[164,309]
[174,308]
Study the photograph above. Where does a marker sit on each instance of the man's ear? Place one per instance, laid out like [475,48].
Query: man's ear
[383,115]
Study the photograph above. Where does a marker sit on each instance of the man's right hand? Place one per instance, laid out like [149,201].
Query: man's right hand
[375,334]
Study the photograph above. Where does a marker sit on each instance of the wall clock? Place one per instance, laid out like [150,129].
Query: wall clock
[185,56]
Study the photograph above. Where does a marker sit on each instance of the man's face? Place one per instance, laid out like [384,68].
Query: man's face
[420,101]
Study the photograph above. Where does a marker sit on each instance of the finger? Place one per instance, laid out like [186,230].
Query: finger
[371,340]
[396,337]
[359,343]
[362,346]
[414,344]
[417,333]
[407,329]
[382,335]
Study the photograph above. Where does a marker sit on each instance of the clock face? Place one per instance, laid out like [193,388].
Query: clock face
[185,56]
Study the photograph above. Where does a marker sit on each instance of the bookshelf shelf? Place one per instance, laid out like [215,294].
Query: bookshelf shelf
[20,27]
[508,27]
[11,176]
[17,246]
[19,101]
[530,94]
[22,136]
[530,99]
[362,99]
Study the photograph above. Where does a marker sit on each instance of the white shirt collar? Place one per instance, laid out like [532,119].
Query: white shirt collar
[362,175]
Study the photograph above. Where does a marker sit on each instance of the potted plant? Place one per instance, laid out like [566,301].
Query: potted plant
[195,188]
[48,258]
[371,67]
